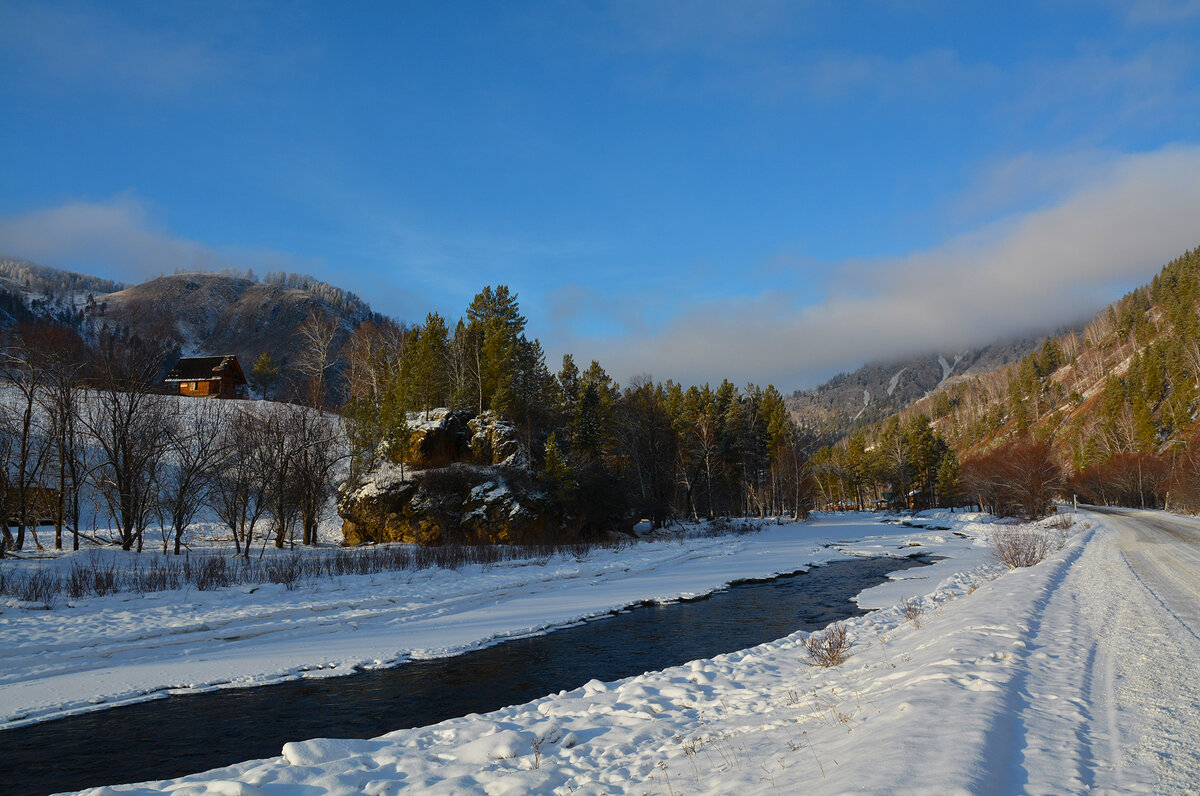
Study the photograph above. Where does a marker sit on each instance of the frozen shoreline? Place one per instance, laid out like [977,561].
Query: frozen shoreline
[101,652]
[1002,684]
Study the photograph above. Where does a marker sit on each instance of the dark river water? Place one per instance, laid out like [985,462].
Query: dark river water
[186,734]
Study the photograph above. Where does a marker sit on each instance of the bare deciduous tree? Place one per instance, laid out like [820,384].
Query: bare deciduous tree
[20,374]
[275,459]
[1019,477]
[125,422]
[195,454]
[317,440]
[315,358]
[237,493]
[60,355]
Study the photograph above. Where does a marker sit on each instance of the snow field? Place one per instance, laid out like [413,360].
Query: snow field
[760,720]
[122,648]
[1065,677]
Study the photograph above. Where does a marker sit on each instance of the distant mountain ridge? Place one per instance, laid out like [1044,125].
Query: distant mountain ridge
[195,313]
[1117,401]
[53,283]
[879,389]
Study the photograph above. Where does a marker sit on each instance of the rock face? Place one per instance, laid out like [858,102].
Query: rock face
[462,484]
[439,438]
[442,437]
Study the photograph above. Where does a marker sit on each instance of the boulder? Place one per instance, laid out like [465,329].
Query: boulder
[457,504]
[494,441]
[438,438]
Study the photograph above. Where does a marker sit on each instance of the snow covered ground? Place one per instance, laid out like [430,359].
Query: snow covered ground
[95,653]
[1065,677]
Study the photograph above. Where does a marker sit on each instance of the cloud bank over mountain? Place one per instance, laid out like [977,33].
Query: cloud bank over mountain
[1026,272]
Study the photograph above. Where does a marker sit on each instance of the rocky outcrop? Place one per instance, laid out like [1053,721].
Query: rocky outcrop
[438,438]
[441,437]
[462,482]
[457,504]
[494,441]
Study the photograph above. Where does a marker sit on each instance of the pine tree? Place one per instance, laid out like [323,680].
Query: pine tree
[429,354]
[949,490]
[556,470]
[265,373]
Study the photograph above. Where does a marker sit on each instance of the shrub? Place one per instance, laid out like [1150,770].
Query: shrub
[1019,478]
[1021,547]
[912,610]
[1061,522]
[286,570]
[39,587]
[829,647]
[211,573]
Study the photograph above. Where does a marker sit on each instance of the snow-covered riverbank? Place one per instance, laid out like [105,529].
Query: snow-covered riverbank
[1034,681]
[123,648]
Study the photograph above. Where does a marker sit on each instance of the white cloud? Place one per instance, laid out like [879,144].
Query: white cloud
[118,238]
[1158,11]
[1027,272]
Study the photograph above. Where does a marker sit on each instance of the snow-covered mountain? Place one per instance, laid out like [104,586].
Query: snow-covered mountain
[197,313]
[220,314]
[878,389]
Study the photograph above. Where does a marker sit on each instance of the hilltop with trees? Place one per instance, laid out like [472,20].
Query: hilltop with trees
[1109,413]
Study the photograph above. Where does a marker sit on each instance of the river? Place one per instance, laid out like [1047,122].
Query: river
[190,733]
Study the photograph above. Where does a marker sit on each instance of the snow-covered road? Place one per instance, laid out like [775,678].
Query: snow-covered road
[1164,552]
[1150,624]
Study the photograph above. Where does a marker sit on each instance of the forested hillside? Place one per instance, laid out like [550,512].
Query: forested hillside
[300,323]
[1113,408]
[879,389]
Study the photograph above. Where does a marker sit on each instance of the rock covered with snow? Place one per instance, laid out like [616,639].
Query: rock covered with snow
[494,441]
[458,504]
[463,481]
[438,438]
[441,437]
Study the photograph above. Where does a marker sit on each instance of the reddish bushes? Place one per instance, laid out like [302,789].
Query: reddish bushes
[1126,479]
[1018,478]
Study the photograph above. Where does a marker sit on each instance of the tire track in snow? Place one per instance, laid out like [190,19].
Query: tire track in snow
[1155,641]
[1102,697]
[1006,760]
[1063,689]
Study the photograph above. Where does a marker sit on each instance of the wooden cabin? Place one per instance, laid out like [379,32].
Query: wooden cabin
[41,505]
[208,377]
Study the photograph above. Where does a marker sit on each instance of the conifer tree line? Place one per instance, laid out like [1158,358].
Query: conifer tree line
[1110,414]
[88,440]
[656,450]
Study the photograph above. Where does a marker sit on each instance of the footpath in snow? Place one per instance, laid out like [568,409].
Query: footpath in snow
[1064,677]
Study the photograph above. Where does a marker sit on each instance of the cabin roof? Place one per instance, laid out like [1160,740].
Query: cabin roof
[207,369]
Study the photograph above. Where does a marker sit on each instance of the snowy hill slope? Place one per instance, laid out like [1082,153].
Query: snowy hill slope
[196,313]
[219,314]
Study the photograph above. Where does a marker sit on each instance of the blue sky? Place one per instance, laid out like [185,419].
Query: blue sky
[766,191]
